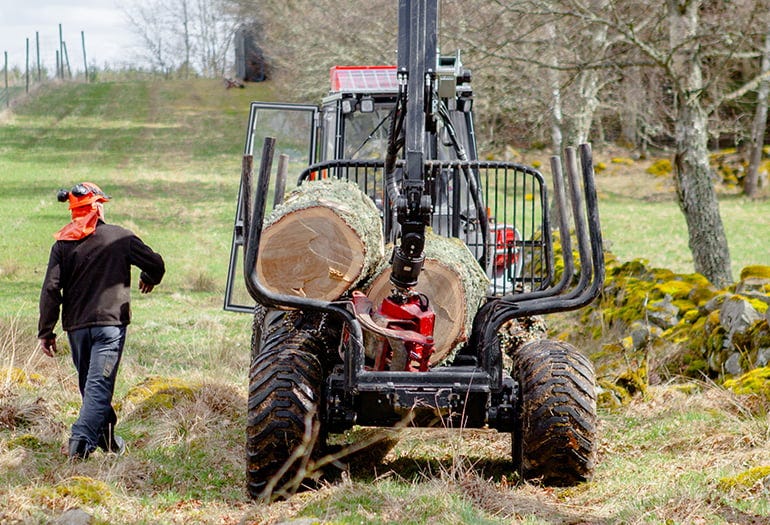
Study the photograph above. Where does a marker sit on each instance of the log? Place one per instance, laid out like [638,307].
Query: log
[455,285]
[323,240]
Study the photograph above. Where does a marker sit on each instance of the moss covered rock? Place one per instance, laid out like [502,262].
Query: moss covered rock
[754,382]
[737,316]
[756,272]
[85,490]
[754,282]
[156,392]
[697,328]
[746,479]
[611,396]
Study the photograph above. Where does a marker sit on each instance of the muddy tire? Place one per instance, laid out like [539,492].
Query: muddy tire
[314,332]
[554,439]
[285,384]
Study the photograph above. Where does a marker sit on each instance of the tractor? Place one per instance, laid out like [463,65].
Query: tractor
[404,136]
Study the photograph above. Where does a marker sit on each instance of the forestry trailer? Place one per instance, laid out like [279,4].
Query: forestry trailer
[388,282]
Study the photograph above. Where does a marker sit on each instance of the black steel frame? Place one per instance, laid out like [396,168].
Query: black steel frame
[350,385]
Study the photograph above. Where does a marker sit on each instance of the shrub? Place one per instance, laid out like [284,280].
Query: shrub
[661,168]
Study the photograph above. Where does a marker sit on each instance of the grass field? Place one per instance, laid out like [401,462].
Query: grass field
[640,219]
[169,154]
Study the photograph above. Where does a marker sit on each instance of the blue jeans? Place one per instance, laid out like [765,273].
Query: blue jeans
[96,352]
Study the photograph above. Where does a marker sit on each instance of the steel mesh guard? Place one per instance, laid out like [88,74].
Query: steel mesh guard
[498,209]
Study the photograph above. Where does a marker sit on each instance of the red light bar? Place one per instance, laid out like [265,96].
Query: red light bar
[364,79]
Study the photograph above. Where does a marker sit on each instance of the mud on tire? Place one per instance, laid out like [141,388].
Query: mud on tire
[554,439]
[285,382]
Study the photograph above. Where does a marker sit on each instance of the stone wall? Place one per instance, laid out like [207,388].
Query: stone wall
[680,321]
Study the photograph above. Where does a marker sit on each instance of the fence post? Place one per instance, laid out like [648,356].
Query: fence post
[26,73]
[37,53]
[60,73]
[85,62]
[66,60]
[5,69]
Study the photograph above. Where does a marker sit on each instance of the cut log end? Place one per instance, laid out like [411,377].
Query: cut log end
[311,252]
[321,241]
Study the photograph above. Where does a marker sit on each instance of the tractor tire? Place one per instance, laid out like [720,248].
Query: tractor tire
[285,388]
[284,399]
[554,438]
[314,331]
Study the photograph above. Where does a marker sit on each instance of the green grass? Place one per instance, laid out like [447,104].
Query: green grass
[657,231]
[169,154]
[166,154]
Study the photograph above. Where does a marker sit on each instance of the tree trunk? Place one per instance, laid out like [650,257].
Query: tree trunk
[588,101]
[557,120]
[322,241]
[454,283]
[751,183]
[695,190]
[589,81]
[698,199]
[629,113]
[186,37]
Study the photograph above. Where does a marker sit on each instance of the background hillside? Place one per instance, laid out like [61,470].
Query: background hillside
[688,451]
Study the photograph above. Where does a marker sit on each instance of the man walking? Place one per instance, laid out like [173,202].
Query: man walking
[89,277]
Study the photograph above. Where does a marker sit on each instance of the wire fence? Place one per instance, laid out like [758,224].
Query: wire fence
[18,81]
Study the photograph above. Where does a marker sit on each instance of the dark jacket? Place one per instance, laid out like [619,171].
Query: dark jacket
[91,279]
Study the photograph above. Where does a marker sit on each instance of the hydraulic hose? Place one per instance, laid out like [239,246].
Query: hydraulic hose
[473,186]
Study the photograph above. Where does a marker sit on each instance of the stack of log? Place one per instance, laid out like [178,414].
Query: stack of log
[325,241]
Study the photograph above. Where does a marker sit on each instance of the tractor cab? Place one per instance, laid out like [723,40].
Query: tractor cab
[356,116]
[356,120]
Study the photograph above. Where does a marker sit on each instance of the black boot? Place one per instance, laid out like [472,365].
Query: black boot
[109,442]
[78,450]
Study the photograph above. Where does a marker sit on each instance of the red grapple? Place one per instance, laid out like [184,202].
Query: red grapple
[405,326]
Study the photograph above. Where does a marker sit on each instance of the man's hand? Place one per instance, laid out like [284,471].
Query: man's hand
[48,345]
[144,287]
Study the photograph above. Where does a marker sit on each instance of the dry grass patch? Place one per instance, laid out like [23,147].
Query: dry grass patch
[670,450]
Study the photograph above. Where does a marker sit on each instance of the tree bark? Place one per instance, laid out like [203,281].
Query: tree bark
[751,183]
[588,81]
[557,119]
[698,200]
[695,189]
[454,283]
[323,240]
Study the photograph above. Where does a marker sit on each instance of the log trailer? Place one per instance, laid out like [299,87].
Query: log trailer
[404,136]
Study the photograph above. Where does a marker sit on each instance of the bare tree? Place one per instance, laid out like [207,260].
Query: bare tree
[184,35]
[302,40]
[516,58]
[695,189]
[689,43]
[759,127]
[214,29]
[557,112]
[152,30]
[587,44]
[557,57]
